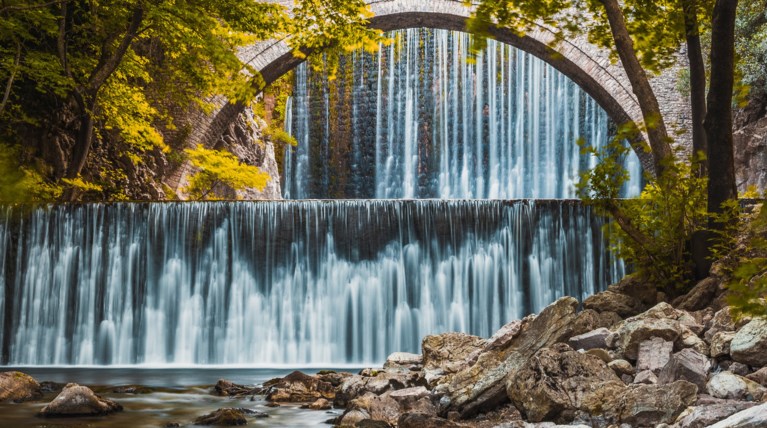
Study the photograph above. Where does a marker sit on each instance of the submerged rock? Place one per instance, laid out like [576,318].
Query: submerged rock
[19,387]
[222,417]
[227,388]
[76,400]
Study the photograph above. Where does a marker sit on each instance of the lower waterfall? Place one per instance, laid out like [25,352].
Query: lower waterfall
[294,283]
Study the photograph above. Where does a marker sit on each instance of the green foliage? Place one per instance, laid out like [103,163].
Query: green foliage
[748,279]
[19,183]
[751,43]
[656,27]
[655,229]
[221,168]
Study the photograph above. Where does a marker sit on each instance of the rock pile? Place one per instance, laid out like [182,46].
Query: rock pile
[684,365]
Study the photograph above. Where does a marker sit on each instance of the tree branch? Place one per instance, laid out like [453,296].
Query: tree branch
[9,85]
[109,64]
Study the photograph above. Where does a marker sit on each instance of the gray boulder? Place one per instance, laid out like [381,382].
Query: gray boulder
[688,365]
[731,386]
[654,354]
[704,415]
[755,417]
[591,340]
[749,346]
[76,400]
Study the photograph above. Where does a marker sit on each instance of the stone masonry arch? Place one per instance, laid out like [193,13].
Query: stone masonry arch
[586,64]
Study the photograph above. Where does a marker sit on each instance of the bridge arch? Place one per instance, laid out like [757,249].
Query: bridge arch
[589,66]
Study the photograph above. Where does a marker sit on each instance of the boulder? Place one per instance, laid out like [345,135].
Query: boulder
[608,319]
[372,423]
[556,383]
[298,387]
[18,387]
[352,418]
[76,400]
[646,377]
[420,420]
[333,377]
[699,297]
[721,321]
[689,339]
[647,405]
[482,384]
[601,354]
[448,353]
[403,360]
[688,365]
[593,339]
[704,415]
[654,354]
[222,417]
[755,417]
[621,367]
[226,388]
[720,344]
[749,345]
[728,385]
[378,383]
[661,321]
[739,369]
[377,407]
[759,376]
[409,395]
[609,301]
[320,404]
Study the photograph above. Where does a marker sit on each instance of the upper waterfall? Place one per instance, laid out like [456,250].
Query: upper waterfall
[419,119]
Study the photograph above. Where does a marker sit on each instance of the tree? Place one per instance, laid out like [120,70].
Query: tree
[75,70]
[645,35]
[220,168]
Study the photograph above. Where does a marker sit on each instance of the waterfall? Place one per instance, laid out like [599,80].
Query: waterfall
[419,120]
[313,282]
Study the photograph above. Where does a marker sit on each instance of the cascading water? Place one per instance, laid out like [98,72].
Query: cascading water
[419,120]
[282,282]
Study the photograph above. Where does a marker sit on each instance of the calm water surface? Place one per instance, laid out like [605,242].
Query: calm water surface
[180,395]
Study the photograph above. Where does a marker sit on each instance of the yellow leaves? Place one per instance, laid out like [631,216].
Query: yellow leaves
[221,168]
[82,185]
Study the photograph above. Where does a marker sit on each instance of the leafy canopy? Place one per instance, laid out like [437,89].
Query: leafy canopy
[221,168]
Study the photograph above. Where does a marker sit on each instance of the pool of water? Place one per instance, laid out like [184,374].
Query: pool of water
[179,395]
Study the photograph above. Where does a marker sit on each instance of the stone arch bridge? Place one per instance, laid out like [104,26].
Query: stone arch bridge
[586,64]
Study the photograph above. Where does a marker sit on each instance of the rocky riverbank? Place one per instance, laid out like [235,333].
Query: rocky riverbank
[625,357]
[623,360]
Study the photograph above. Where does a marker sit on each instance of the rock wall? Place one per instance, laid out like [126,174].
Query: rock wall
[751,144]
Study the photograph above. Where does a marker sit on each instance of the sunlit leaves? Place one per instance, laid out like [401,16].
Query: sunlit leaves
[220,168]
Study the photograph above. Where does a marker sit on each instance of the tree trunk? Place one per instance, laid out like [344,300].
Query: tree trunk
[718,124]
[640,84]
[698,105]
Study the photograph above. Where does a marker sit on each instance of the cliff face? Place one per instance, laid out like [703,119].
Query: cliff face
[751,144]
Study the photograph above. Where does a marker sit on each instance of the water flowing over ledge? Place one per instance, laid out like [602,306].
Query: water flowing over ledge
[420,120]
[311,282]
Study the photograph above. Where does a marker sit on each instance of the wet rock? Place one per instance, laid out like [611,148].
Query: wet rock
[593,339]
[720,344]
[654,354]
[420,420]
[76,400]
[728,385]
[18,387]
[749,345]
[647,405]
[755,417]
[705,415]
[759,376]
[298,387]
[646,377]
[222,417]
[227,388]
[132,389]
[253,413]
[482,385]
[699,297]
[688,365]
[371,423]
[556,383]
[403,360]
[621,367]
[320,404]
[49,387]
